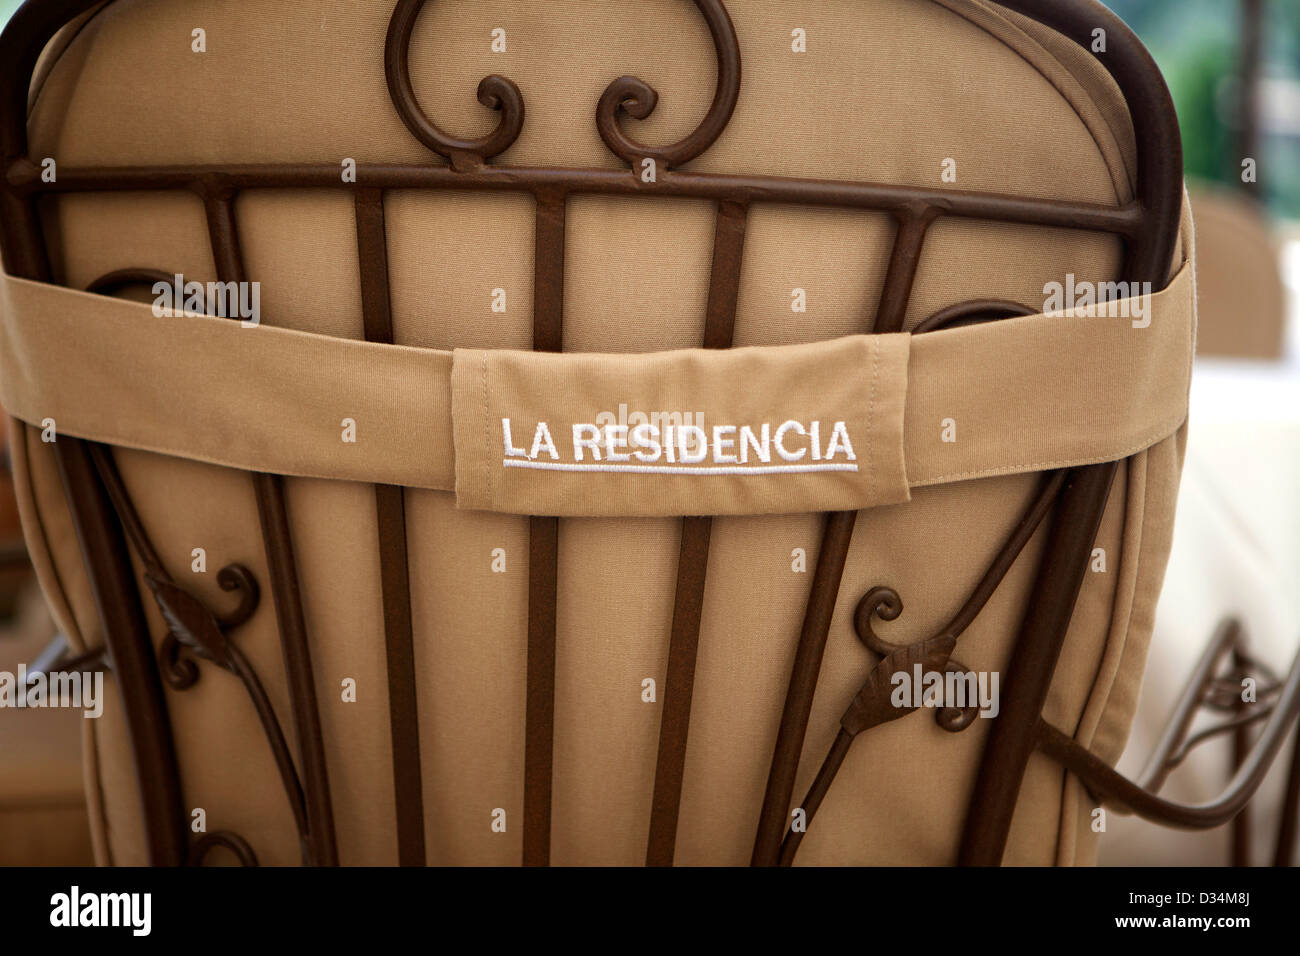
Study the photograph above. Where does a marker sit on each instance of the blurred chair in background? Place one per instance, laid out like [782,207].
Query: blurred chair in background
[1236,554]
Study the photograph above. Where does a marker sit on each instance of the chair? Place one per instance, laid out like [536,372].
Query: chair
[1241,296]
[1240,278]
[424,638]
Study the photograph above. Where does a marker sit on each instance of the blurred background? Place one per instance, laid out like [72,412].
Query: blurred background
[1199,46]
[1233,67]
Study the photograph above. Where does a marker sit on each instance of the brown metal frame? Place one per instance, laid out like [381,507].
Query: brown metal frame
[1250,68]
[101,509]
[1278,704]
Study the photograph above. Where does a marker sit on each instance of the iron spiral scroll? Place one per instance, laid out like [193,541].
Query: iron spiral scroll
[196,633]
[626,96]
[873,706]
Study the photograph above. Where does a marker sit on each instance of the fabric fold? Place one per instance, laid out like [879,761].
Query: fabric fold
[842,424]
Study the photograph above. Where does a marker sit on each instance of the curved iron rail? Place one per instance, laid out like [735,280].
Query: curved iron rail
[1148,258]
[637,99]
[1151,241]
[1278,703]
[191,626]
[1108,784]
[977,310]
[225,840]
[495,92]
[872,706]
[885,603]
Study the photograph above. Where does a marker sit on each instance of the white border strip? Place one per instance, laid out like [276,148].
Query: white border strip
[680,469]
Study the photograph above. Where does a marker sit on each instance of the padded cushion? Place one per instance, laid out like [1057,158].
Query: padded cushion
[1241,298]
[886,91]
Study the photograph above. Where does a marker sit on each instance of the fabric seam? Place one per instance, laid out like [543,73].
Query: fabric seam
[871,414]
[487,435]
[1160,435]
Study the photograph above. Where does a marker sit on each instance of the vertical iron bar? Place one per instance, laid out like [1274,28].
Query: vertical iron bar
[1033,661]
[394,572]
[1149,254]
[131,655]
[1241,739]
[836,535]
[1248,93]
[112,583]
[693,563]
[1284,853]
[913,223]
[321,848]
[543,553]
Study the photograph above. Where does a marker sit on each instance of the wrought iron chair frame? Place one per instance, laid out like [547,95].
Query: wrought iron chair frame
[108,527]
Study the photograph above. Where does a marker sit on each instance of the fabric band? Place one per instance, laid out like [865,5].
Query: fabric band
[842,424]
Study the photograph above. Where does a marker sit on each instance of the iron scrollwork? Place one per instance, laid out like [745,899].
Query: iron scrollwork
[886,604]
[638,99]
[193,630]
[628,95]
[872,705]
[1148,224]
[495,92]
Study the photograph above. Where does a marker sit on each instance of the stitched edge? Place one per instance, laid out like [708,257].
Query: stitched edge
[1160,434]
[1103,686]
[871,414]
[37,537]
[1121,178]
[1073,792]
[487,436]
[1012,469]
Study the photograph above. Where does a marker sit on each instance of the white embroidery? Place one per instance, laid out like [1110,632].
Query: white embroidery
[683,449]
[680,469]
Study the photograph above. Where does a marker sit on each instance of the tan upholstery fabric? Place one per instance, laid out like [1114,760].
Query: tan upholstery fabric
[814,401]
[1027,394]
[1239,289]
[886,91]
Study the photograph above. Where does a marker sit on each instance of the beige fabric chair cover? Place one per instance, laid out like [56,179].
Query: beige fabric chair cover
[1241,300]
[886,91]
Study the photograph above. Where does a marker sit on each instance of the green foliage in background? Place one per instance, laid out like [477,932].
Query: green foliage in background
[1197,45]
